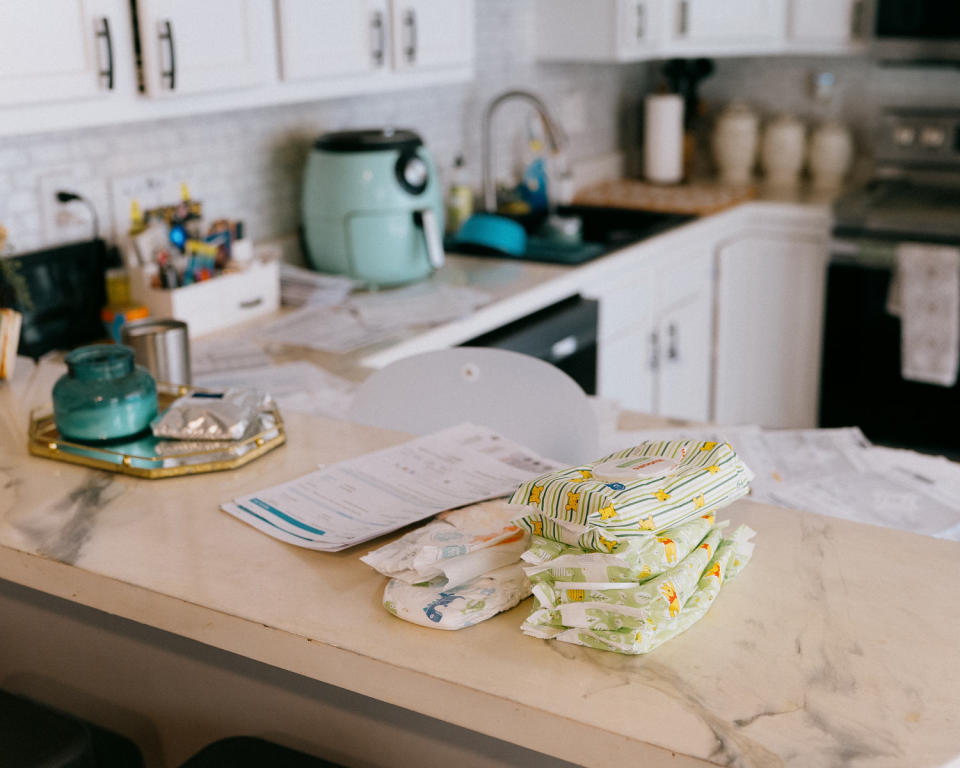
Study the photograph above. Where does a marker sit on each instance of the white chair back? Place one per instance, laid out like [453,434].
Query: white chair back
[520,397]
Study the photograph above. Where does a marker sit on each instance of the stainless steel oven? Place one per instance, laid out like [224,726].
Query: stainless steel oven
[913,198]
[917,30]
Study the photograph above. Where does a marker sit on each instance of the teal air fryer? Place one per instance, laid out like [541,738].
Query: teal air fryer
[372,207]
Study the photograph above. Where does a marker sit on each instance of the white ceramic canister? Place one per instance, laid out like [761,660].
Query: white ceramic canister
[735,139]
[663,138]
[783,150]
[830,154]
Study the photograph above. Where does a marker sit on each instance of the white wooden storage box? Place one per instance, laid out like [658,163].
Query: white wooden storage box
[216,303]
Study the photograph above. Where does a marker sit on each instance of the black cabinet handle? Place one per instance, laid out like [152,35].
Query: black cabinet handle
[856,20]
[104,34]
[654,351]
[379,43]
[171,74]
[641,21]
[673,342]
[684,11]
[410,23]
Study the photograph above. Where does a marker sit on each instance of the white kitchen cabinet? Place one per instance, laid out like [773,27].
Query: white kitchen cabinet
[628,30]
[655,336]
[602,30]
[331,38]
[189,47]
[625,369]
[683,338]
[826,26]
[431,34]
[732,27]
[64,50]
[196,58]
[626,349]
[769,316]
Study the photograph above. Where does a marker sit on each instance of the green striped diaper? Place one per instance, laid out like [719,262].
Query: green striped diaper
[637,492]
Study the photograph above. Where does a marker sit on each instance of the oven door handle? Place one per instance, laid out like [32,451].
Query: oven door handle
[864,252]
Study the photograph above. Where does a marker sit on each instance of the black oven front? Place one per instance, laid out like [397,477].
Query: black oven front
[919,30]
[861,381]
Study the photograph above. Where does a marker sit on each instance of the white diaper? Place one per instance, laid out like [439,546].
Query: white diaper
[440,607]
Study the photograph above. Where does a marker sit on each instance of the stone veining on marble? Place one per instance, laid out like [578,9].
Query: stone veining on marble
[63,528]
[823,664]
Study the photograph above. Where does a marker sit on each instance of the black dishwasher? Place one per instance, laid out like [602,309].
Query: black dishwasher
[563,334]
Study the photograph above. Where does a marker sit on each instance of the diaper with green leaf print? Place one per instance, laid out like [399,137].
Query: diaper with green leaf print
[631,560]
[638,620]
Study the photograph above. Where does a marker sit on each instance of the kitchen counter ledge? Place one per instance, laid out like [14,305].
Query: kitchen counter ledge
[836,646]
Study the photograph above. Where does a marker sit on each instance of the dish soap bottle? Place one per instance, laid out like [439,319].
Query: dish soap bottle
[459,197]
[533,186]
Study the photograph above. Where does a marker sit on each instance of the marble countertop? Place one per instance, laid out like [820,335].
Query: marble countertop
[836,646]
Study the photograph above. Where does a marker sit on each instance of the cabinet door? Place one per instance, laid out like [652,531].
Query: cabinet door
[825,22]
[625,361]
[685,336]
[61,49]
[734,26]
[325,38]
[637,25]
[770,291]
[626,366]
[431,34]
[194,47]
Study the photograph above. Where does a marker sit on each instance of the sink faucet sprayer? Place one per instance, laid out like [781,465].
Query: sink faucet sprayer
[555,136]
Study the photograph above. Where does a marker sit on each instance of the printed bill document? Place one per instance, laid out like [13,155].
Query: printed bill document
[344,504]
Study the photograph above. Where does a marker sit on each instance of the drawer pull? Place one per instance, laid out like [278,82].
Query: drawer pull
[379,41]
[563,348]
[250,304]
[104,34]
[170,74]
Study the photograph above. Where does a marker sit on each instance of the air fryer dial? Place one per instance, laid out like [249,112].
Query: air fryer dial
[412,172]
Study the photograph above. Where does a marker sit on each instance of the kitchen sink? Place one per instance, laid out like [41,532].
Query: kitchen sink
[603,230]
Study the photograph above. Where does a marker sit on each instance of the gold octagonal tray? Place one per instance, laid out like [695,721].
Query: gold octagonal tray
[153,457]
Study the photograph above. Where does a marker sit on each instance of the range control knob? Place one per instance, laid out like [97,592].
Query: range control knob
[933,136]
[904,135]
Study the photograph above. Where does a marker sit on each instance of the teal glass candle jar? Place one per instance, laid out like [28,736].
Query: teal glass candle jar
[103,395]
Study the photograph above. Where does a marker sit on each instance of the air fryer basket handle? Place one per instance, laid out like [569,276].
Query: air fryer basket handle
[427,219]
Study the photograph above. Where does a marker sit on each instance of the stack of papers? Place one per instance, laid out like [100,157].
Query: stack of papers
[356,500]
[299,386]
[299,286]
[839,473]
[213,355]
[374,317]
[334,329]
[421,304]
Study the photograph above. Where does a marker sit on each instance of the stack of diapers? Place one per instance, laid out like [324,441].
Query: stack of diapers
[625,552]
[456,571]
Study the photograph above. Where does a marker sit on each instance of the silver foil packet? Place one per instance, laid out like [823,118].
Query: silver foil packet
[229,415]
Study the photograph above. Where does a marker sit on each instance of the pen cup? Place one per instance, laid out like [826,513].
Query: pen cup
[162,346]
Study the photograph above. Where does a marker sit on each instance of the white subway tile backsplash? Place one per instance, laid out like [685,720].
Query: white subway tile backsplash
[12,158]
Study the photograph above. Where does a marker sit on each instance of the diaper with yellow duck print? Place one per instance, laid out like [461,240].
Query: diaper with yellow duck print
[632,630]
[633,560]
[637,492]
[661,597]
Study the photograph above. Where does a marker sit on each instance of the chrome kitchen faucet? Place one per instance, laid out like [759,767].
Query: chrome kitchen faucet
[554,134]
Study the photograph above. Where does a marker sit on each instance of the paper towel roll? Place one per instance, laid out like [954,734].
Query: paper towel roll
[663,138]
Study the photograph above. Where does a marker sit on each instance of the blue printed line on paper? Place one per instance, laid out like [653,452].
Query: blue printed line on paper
[283,516]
